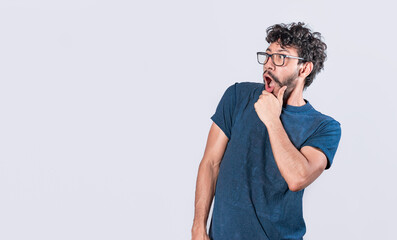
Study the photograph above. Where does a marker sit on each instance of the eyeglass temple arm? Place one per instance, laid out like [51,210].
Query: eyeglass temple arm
[295,57]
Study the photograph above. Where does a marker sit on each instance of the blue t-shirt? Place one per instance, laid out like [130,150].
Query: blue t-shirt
[252,200]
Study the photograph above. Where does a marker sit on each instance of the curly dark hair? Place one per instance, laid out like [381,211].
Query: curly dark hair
[308,44]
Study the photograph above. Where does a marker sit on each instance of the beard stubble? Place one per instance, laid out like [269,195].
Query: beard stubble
[289,82]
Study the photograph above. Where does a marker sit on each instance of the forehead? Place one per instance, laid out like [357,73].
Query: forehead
[276,47]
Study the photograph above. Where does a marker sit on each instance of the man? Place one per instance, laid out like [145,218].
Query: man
[266,145]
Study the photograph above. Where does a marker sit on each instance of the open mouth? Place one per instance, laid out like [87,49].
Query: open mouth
[269,83]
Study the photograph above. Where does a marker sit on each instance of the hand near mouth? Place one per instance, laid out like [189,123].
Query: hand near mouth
[268,107]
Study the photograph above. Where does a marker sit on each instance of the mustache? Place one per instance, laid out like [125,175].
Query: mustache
[273,77]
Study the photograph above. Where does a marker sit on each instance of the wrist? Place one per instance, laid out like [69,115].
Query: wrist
[198,228]
[273,123]
[198,224]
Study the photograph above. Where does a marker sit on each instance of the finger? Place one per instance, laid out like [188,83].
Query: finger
[281,94]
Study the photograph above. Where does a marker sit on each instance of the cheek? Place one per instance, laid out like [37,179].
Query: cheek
[276,89]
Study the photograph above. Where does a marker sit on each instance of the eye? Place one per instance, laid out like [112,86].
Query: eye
[279,59]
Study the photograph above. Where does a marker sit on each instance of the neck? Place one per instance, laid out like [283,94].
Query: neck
[296,97]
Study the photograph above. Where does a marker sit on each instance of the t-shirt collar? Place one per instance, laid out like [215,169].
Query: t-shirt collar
[303,108]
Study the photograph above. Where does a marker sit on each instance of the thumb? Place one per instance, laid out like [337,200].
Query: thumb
[280,94]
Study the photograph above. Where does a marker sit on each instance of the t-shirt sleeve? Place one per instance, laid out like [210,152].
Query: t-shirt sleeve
[327,139]
[223,116]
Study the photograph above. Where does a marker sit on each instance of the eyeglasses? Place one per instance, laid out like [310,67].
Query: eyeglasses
[277,58]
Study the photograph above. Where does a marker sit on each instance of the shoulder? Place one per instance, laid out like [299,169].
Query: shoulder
[248,86]
[325,121]
[245,88]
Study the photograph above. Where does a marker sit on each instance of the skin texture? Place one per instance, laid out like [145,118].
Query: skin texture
[298,167]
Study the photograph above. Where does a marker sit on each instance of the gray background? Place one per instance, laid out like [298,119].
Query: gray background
[105,112]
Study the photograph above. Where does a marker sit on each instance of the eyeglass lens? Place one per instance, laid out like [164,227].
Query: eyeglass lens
[277,59]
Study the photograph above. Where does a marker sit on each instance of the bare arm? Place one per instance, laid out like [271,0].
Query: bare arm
[206,179]
[299,168]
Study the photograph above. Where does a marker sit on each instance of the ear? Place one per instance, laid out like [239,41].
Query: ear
[306,69]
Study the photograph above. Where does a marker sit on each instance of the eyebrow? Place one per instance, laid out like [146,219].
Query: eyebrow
[281,50]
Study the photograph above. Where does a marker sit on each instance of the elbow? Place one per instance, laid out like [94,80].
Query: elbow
[295,188]
[296,185]
[298,181]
